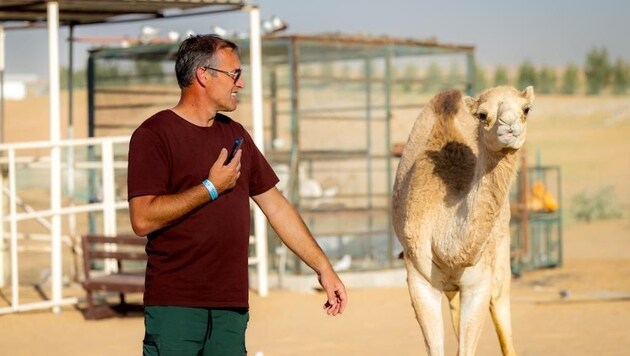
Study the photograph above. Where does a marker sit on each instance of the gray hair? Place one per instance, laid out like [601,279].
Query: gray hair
[198,51]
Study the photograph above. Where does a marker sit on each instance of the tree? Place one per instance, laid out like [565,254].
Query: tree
[410,73]
[79,78]
[149,71]
[110,74]
[433,79]
[546,80]
[480,78]
[597,71]
[501,76]
[455,76]
[620,77]
[570,80]
[526,75]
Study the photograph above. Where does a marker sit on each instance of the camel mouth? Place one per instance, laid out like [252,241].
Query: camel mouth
[510,140]
[508,137]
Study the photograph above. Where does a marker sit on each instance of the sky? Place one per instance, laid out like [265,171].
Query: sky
[504,32]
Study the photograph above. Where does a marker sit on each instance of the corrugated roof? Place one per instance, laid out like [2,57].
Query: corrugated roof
[89,12]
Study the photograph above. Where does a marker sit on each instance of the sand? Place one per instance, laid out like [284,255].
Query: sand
[594,319]
[585,136]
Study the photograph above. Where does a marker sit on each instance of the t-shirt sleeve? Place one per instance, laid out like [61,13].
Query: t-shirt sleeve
[263,177]
[148,164]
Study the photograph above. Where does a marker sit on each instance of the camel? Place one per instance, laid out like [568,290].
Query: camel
[451,211]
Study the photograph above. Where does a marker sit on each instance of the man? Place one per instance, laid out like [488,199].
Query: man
[194,207]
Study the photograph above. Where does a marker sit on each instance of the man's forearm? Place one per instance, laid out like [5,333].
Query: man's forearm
[294,233]
[150,213]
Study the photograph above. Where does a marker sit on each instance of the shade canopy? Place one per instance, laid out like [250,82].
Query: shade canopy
[77,12]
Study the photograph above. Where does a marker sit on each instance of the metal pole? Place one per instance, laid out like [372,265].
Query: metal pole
[70,82]
[15,277]
[369,171]
[91,87]
[388,155]
[2,39]
[260,223]
[55,155]
[294,158]
[273,83]
[109,200]
[2,55]
[470,63]
[72,221]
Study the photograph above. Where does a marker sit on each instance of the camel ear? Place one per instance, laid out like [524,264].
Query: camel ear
[470,103]
[528,93]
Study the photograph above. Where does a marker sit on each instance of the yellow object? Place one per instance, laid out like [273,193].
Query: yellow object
[541,199]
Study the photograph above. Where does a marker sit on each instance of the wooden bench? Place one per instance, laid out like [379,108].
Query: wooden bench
[124,250]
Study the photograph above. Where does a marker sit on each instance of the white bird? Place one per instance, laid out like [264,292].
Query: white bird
[343,264]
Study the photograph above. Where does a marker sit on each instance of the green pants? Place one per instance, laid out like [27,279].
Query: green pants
[181,331]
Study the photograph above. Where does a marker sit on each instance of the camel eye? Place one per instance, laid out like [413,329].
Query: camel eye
[526,111]
[483,116]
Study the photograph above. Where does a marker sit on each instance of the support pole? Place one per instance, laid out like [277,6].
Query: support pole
[2,271]
[55,155]
[72,221]
[260,222]
[2,67]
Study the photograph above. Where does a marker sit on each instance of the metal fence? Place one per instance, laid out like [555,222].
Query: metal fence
[536,225]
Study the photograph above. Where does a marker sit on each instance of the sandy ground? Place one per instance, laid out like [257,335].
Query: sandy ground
[587,137]
[594,319]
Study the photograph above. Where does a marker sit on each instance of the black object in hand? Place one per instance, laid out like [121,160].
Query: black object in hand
[235,147]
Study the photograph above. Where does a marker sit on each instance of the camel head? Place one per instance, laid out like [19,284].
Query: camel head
[502,114]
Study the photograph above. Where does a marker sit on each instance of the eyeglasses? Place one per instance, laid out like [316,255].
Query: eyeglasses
[235,74]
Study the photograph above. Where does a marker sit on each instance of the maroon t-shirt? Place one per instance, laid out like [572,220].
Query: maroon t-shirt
[200,260]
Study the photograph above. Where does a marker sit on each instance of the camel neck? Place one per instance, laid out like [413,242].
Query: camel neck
[495,175]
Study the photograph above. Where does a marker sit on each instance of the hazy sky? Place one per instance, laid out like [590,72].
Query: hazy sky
[506,32]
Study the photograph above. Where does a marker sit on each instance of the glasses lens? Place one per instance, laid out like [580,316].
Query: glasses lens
[237,75]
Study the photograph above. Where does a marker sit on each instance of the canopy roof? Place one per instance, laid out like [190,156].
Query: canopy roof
[312,48]
[77,12]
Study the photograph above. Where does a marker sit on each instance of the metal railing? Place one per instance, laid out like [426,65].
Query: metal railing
[98,198]
[17,156]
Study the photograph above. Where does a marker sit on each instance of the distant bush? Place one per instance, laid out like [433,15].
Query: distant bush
[597,206]
[597,71]
[526,75]
[620,77]
[501,76]
[570,79]
[546,80]
[480,78]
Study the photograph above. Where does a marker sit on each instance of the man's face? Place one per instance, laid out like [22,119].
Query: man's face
[226,80]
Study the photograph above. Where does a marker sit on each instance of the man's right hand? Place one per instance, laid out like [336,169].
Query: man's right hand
[224,177]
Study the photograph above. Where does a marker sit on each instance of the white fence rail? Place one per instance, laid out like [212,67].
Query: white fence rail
[19,156]
[100,161]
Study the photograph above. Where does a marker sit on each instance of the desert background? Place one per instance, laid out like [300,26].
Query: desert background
[579,308]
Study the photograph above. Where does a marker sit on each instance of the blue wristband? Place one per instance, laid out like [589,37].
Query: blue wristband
[211,189]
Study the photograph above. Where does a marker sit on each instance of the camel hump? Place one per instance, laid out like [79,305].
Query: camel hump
[447,103]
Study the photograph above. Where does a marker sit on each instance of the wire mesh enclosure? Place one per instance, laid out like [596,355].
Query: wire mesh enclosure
[536,224]
[333,107]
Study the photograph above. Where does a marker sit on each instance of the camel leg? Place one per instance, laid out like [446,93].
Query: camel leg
[474,304]
[426,301]
[453,302]
[500,302]
[500,311]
